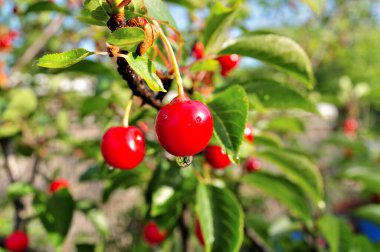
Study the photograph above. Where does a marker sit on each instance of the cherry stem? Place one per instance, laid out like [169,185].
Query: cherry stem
[173,58]
[127,112]
[102,53]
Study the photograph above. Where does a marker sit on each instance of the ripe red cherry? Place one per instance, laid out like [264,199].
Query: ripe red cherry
[252,164]
[198,232]
[216,157]
[350,126]
[123,147]
[5,42]
[58,184]
[248,133]
[18,241]
[153,235]
[228,63]
[198,50]
[184,127]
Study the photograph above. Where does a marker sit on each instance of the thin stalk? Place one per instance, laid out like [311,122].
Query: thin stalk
[127,112]
[173,58]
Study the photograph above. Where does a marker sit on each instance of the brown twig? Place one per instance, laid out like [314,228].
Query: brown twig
[135,82]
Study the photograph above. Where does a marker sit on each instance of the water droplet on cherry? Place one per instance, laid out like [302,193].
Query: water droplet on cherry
[184,161]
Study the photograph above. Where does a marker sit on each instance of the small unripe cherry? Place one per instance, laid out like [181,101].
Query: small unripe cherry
[18,241]
[217,157]
[198,50]
[58,184]
[350,126]
[184,127]
[248,133]
[252,164]
[228,63]
[198,232]
[123,147]
[153,235]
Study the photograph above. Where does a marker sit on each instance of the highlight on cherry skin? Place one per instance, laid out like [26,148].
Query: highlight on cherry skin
[217,157]
[153,235]
[184,127]
[228,63]
[123,147]
[18,241]
[58,184]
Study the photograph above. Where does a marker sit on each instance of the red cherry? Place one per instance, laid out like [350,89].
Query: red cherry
[199,233]
[123,147]
[184,127]
[5,42]
[252,164]
[350,126]
[58,184]
[198,50]
[248,133]
[153,235]
[228,63]
[18,241]
[216,157]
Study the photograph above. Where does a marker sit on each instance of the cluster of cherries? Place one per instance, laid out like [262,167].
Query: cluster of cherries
[18,241]
[227,62]
[184,128]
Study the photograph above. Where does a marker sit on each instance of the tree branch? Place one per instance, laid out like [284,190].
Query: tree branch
[6,147]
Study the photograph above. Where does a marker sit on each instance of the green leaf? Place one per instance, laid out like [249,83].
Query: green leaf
[21,103]
[283,190]
[96,11]
[221,218]
[286,125]
[329,227]
[299,170]
[123,180]
[155,9]
[56,213]
[230,112]
[268,140]
[19,189]
[82,247]
[127,38]
[273,94]
[9,129]
[369,178]
[145,68]
[46,6]
[278,51]
[205,65]
[63,60]
[219,21]
[93,104]
[370,212]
